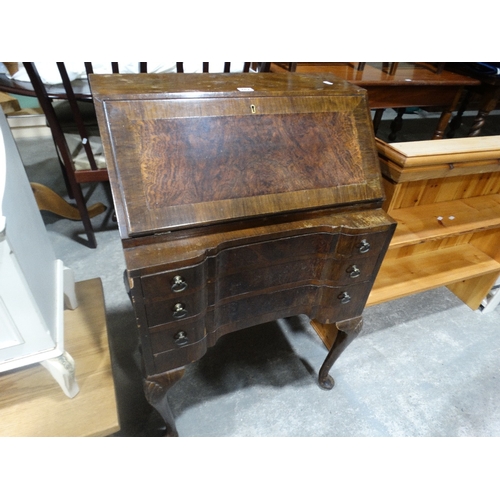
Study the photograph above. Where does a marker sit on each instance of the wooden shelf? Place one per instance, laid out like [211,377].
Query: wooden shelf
[445,219]
[400,277]
[33,405]
[445,197]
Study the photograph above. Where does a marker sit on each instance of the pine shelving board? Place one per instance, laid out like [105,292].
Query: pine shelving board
[400,277]
[449,218]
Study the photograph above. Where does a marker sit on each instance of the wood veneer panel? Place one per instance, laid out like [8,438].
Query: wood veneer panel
[194,150]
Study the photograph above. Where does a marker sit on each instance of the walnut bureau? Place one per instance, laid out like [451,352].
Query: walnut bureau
[240,199]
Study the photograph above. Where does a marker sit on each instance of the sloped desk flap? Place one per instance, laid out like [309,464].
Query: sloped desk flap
[194,149]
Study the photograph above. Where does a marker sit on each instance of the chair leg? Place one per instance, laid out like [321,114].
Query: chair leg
[82,208]
[397,124]
[377,119]
[63,170]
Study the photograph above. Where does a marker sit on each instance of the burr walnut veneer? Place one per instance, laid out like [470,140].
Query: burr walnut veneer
[241,199]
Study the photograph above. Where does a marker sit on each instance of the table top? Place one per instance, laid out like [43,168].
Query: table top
[32,404]
[375,74]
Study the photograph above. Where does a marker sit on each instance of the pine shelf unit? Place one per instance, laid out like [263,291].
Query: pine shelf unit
[445,197]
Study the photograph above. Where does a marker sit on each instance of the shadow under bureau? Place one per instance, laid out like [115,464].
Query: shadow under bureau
[241,199]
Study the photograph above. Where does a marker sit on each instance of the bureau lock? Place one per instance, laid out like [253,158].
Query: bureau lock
[179,310]
[178,284]
[344,298]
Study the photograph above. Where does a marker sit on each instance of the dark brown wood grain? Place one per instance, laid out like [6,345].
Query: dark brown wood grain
[203,159]
[187,156]
[239,207]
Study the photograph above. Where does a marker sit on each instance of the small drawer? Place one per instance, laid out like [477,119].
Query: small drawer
[303,270]
[174,309]
[343,302]
[275,252]
[173,283]
[361,245]
[351,271]
[183,333]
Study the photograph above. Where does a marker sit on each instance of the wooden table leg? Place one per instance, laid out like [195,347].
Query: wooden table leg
[397,124]
[377,119]
[156,388]
[347,331]
[491,94]
[444,119]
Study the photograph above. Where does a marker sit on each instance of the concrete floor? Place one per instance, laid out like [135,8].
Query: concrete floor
[425,365]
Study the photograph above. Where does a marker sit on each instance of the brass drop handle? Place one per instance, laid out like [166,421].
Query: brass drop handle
[181,338]
[344,298]
[179,310]
[364,246]
[178,284]
[353,271]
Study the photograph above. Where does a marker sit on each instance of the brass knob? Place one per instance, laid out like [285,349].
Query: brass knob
[180,338]
[353,271]
[178,284]
[344,297]
[364,246]
[179,310]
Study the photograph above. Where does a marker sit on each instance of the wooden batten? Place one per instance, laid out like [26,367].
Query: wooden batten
[422,153]
[442,170]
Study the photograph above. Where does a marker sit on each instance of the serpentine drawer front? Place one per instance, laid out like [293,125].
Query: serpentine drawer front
[240,199]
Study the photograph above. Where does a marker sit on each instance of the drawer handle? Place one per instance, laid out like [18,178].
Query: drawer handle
[179,310]
[178,284]
[344,298]
[353,271]
[180,338]
[364,246]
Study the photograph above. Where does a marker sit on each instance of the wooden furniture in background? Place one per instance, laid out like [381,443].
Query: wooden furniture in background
[8,103]
[32,403]
[486,95]
[240,199]
[410,85]
[445,196]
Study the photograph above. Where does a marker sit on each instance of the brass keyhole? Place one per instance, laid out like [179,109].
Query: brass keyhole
[252,108]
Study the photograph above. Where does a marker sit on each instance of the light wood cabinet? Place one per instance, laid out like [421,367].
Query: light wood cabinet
[445,197]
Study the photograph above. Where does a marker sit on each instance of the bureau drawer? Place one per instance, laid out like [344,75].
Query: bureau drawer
[295,272]
[275,251]
[181,334]
[332,303]
[173,283]
[175,308]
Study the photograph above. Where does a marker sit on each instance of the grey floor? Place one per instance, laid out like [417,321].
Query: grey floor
[425,365]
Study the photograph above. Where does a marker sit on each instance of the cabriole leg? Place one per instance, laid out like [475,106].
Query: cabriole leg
[156,388]
[347,331]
